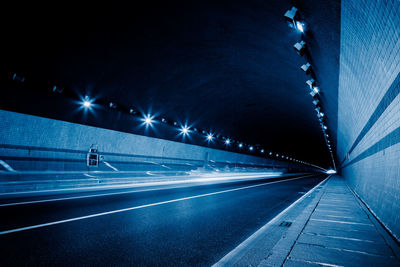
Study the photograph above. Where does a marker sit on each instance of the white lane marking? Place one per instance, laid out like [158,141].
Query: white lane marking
[110,166]
[149,173]
[140,207]
[242,246]
[6,166]
[91,176]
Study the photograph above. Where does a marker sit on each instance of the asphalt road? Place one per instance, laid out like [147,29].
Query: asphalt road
[187,226]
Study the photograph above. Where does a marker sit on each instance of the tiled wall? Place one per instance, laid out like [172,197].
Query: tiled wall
[369,104]
[34,143]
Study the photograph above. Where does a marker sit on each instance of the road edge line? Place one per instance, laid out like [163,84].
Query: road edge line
[241,248]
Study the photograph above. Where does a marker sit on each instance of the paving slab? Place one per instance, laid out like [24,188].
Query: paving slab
[340,232]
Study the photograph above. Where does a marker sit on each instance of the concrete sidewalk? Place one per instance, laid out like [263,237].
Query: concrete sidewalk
[329,226]
[341,231]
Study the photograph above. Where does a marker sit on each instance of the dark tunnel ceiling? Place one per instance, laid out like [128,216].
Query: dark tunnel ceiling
[223,65]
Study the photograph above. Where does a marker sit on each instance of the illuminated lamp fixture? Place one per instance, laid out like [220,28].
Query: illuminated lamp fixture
[318,109]
[87,103]
[175,123]
[147,120]
[313,93]
[163,120]
[227,141]
[306,68]
[240,145]
[210,137]
[316,90]
[315,102]
[113,105]
[301,26]
[184,130]
[270,153]
[262,150]
[300,47]
[290,16]
[251,148]
[311,83]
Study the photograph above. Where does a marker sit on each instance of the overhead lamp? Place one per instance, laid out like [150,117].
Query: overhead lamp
[310,83]
[300,47]
[315,102]
[163,120]
[317,109]
[251,148]
[262,150]
[240,145]
[147,120]
[313,94]
[270,153]
[291,15]
[87,102]
[316,90]
[210,137]
[306,68]
[112,105]
[300,26]
[227,141]
[185,130]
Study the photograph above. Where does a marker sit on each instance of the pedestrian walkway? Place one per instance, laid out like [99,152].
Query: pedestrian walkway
[329,226]
[340,231]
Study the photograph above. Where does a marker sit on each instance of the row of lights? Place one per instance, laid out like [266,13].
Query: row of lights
[148,120]
[294,21]
[88,104]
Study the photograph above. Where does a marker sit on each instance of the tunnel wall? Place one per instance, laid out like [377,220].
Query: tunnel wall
[35,143]
[369,105]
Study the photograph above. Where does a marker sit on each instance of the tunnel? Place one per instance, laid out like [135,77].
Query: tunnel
[200,133]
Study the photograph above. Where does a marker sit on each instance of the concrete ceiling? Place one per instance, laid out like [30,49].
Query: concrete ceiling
[228,66]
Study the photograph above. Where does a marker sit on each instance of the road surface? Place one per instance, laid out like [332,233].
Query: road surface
[193,225]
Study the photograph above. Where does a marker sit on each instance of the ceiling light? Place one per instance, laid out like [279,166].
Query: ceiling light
[147,120]
[300,47]
[310,83]
[86,102]
[185,130]
[306,68]
[300,26]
